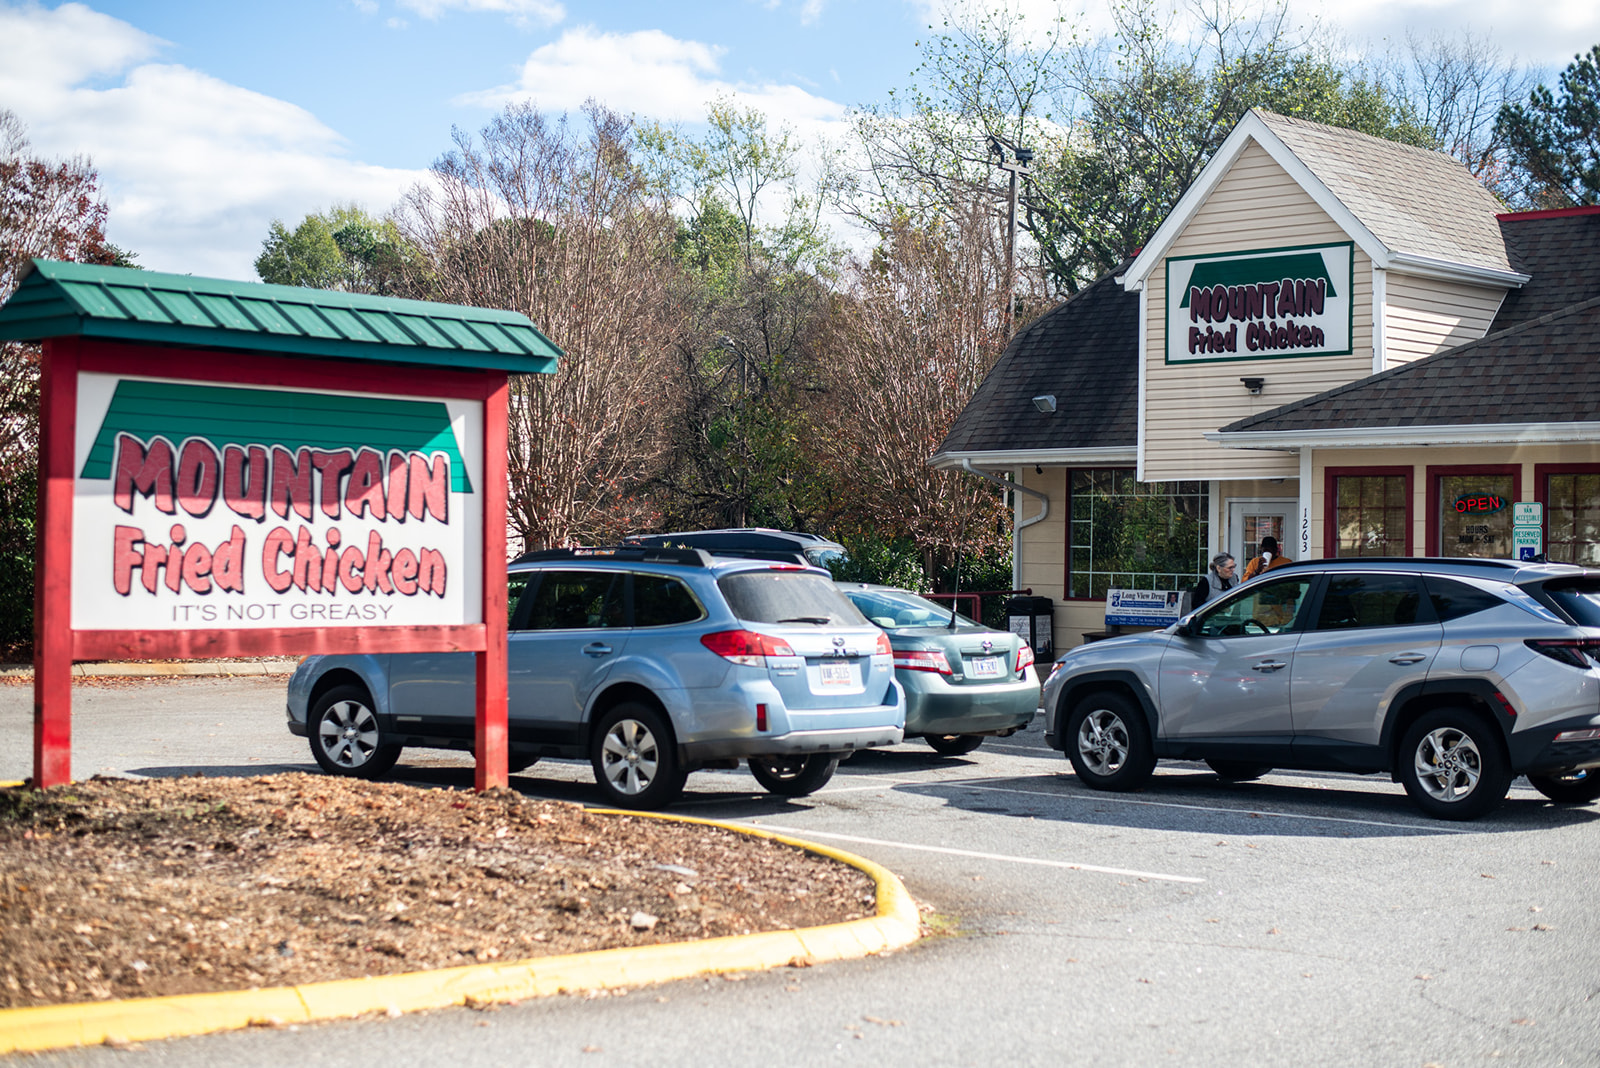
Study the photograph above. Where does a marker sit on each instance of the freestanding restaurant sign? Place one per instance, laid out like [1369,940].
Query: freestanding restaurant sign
[236,469]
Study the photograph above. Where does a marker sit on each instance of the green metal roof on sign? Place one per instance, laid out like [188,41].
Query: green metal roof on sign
[127,304]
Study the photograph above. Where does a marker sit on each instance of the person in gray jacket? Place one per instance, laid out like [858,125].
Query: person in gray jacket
[1221,575]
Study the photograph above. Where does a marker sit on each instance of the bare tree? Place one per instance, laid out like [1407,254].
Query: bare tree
[49,209]
[1455,86]
[925,322]
[556,222]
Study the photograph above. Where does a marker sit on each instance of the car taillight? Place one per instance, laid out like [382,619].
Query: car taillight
[922,660]
[884,648]
[1024,657]
[1575,652]
[1588,735]
[745,646]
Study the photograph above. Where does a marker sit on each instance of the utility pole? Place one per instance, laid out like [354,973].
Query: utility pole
[1017,164]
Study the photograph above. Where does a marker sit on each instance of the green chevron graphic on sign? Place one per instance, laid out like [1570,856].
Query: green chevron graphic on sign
[229,415]
[1258,269]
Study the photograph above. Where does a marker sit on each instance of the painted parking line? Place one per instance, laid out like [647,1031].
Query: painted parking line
[1102,798]
[976,855]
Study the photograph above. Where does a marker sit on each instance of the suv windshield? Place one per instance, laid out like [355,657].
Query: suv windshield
[786,597]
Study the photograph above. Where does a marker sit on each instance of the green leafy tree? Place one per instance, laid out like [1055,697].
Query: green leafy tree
[49,209]
[756,257]
[343,248]
[1554,139]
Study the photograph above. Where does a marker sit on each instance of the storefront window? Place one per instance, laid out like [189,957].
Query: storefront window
[1371,515]
[1475,514]
[1572,518]
[1126,534]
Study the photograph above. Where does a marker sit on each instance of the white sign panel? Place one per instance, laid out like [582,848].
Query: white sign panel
[1527,513]
[1527,542]
[201,506]
[1143,608]
[1260,304]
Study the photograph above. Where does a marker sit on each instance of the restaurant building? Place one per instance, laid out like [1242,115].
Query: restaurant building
[1336,340]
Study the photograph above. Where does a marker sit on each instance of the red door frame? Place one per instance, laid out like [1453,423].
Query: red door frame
[57,644]
[1433,548]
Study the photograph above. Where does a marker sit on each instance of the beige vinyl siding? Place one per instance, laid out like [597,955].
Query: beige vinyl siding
[1423,316]
[1041,548]
[1256,205]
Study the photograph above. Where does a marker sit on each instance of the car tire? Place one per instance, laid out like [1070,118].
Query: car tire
[635,757]
[1573,788]
[1108,742]
[1452,764]
[794,776]
[954,744]
[516,762]
[1237,770]
[346,737]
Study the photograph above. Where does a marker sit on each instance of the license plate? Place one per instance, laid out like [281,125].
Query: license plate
[837,674]
[987,667]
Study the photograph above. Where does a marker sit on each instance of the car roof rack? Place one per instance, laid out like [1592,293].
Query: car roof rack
[626,553]
[1411,561]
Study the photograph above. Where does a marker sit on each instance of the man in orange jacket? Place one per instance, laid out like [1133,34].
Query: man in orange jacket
[1266,560]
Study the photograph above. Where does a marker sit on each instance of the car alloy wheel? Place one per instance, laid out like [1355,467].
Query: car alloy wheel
[634,758]
[1109,742]
[794,775]
[1448,764]
[1103,742]
[1452,764]
[346,738]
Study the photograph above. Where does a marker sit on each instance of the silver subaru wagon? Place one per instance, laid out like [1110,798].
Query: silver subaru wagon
[650,663]
[1453,676]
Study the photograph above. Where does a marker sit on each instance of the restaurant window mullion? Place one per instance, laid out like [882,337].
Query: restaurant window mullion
[1127,534]
[1371,514]
[1572,517]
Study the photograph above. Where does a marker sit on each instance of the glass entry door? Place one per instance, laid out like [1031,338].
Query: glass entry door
[1251,520]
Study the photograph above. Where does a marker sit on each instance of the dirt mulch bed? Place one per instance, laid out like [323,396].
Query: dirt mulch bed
[115,888]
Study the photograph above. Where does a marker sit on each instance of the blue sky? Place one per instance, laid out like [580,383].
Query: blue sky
[208,120]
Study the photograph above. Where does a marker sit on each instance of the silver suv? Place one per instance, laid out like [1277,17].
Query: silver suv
[650,663]
[1452,676]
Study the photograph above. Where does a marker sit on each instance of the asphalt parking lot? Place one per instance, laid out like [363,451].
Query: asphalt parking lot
[1302,919]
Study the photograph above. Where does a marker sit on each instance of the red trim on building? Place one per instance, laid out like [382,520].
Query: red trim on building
[1549,213]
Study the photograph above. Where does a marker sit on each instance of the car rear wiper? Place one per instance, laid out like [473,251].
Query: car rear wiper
[807,619]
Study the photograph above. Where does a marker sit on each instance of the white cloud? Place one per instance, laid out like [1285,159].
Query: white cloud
[193,169]
[542,12]
[652,75]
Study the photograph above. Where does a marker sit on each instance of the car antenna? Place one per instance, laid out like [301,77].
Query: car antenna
[955,591]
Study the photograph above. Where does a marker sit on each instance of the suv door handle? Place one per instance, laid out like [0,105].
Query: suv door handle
[1269,665]
[1407,658]
[597,649]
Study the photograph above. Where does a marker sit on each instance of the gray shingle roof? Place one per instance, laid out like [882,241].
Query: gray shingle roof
[1414,200]
[1086,352]
[1561,250]
[1544,370]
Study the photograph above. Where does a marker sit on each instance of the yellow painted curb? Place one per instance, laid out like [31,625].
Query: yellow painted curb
[84,1024]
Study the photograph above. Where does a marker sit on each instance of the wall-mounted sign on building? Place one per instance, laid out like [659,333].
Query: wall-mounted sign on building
[1260,304]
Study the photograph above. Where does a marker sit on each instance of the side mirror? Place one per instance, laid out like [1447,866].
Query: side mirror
[1184,628]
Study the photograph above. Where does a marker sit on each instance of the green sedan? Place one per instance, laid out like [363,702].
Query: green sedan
[963,682]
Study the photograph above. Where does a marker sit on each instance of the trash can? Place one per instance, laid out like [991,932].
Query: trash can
[1029,618]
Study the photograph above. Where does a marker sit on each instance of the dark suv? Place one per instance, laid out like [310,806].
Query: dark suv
[814,548]
[1452,676]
